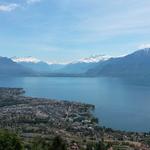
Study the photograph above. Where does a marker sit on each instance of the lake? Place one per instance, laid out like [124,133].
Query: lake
[120,104]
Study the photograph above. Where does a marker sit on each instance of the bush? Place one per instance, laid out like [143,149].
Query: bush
[58,144]
[9,141]
[96,146]
[42,144]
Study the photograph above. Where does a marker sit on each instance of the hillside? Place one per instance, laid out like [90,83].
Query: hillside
[9,68]
[135,64]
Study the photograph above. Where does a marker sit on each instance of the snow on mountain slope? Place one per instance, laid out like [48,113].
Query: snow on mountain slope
[93,59]
[82,65]
[79,66]
[9,68]
[136,64]
[25,59]
[37,65]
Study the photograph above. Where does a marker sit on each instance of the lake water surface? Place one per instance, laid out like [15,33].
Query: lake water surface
[120,104]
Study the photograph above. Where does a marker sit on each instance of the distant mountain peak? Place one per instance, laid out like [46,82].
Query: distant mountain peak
[28,59]
[9,67]
[93,59]
[34,60]
[141,52]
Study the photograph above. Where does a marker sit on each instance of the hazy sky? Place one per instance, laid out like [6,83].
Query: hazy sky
[62,30]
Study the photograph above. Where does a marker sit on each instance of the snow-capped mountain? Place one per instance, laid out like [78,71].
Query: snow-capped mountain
[82,65]
[93,59]
[37,65]
[79,66]
[133,65]
[136,64]
[25,59]
[9,68]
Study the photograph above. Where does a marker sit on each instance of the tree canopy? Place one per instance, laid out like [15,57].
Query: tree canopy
[9,141]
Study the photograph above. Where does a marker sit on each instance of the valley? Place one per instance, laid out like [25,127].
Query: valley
[131,65]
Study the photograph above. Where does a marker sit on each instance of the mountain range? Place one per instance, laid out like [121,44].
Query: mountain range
[77,67]
[37,65]
[11,68]
[83,65]
[134,64]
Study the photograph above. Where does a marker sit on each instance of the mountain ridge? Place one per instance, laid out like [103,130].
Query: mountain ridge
[9,67]
[134,64]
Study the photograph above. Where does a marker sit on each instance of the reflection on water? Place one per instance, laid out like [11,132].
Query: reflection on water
[120,103]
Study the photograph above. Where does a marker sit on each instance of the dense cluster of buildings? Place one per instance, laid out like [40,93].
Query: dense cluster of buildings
[32,117]
[43,116]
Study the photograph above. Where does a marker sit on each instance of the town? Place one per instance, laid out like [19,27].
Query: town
[39,117]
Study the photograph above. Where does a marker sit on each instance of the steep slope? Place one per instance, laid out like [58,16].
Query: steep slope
[9,68]
[37,65]
[135,64]
[83,65]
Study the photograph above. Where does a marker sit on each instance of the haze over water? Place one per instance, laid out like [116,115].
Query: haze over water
[120,104]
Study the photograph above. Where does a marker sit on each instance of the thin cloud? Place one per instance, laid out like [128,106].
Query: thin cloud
[32,1]
[8,7]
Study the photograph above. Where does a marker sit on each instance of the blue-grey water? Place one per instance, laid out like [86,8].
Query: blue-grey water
[120,104]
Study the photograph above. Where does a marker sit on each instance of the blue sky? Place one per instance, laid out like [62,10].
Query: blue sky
[64,30]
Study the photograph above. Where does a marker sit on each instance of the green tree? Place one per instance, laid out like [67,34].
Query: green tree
[9,141]
[39,143]
[100,146]
[58,144]
[96,146]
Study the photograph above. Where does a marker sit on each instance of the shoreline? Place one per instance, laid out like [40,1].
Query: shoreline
[20,93]
[32,117]
[28,111]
